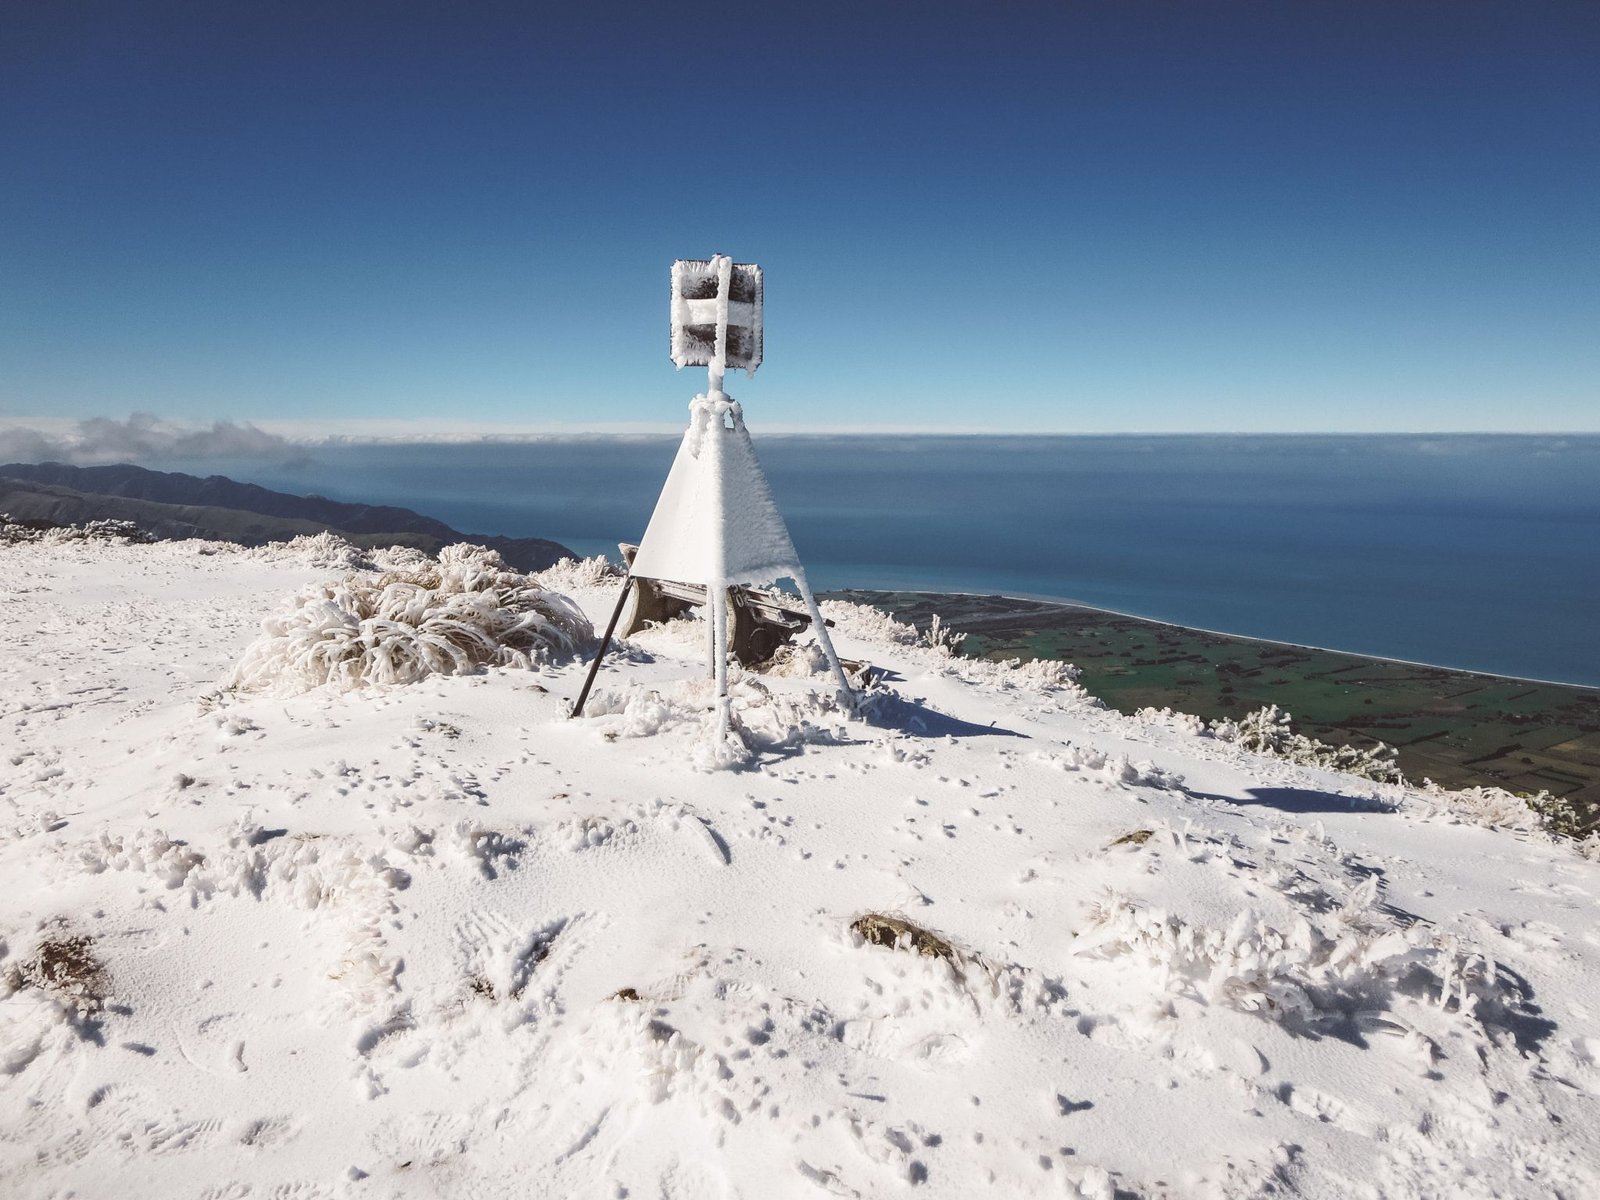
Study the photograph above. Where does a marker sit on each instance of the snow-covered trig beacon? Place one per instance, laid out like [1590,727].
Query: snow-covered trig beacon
[715,523]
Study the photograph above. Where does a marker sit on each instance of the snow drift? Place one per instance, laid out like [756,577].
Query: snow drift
[980,936]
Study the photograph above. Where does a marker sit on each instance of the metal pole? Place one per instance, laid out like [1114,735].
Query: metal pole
[605,644]
[821,626]
[717,589]
[719,357]
[717,604]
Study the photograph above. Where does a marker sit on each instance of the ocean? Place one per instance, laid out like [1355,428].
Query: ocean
[1477,552]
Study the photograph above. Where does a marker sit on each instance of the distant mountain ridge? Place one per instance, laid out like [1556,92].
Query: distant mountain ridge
[170,504]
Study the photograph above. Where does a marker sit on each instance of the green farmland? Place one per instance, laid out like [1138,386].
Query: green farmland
[1455,727]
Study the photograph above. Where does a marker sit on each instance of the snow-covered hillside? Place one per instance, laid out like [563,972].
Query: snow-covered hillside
[434,939]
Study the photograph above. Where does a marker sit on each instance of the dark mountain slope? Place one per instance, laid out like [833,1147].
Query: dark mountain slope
[170,504]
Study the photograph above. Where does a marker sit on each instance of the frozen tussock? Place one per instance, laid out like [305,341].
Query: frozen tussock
[104,530]
[576,574]
[796,661]
[1491,806]
[1036,676]
[867,623]
[465,612]
[324,549]
[1113,768]
[1270,730]
[309,871]
[328,551]
[1356,965]
[149,851]
[1499,809]
[938,650]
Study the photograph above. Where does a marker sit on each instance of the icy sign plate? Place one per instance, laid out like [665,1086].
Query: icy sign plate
[704,294]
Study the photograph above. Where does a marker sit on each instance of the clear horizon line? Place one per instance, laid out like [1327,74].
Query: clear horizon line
[292,432]
[359,431]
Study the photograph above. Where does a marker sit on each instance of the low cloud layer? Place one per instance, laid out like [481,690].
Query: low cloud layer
[142,438]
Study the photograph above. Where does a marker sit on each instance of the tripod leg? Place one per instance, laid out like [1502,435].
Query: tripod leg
[821,627]
[605,644]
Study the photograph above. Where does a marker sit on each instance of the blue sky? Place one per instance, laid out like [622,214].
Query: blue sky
[1011,216]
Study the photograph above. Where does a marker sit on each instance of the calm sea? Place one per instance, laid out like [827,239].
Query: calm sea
[1467,551]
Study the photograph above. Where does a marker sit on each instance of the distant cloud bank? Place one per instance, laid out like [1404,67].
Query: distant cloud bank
[143,437]
[147,440]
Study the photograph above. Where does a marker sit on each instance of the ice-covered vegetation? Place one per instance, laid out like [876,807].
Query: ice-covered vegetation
[977,935]
[1270,730]
[105,530]
[763,721]
[332,552]
[939,650]
[571,574]
[459,614]
[1316,972]
[1501,809]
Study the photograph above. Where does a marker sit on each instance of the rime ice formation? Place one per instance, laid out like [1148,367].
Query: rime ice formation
[982,937]
[715,523]
[715,518]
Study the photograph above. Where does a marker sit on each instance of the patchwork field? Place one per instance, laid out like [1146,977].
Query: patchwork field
[1457,728]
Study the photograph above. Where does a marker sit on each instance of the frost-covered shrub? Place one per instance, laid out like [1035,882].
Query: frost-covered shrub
[1558,816]
[571,574]
[1347,964]
[869,624]
[939,649]
[1499,809]
[942,638]
[455,616]
[1491,806]
[12,531]
[1115,768]
[399,558]
[1034,675]
[1270,730]
[325,549]
[1266,731]
[796,661]
[104,530]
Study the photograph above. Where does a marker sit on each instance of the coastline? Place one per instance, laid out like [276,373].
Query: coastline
[1457,727]
[1059,602]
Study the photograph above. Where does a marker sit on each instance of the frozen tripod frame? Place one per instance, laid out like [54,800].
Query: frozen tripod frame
[716,535]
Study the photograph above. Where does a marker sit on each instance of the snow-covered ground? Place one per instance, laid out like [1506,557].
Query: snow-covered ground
[434,939]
